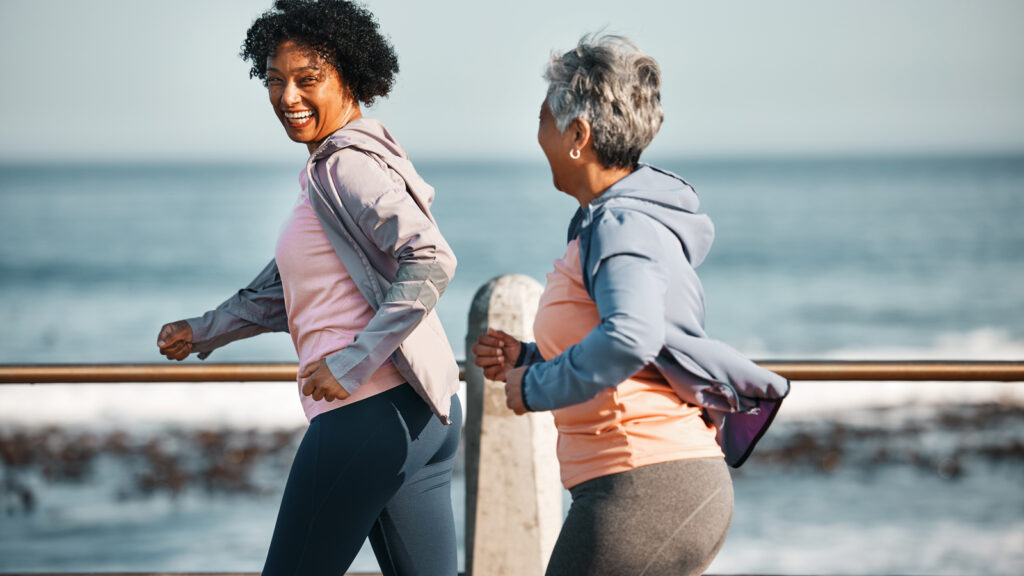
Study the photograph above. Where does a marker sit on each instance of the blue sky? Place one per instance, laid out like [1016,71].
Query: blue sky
[144,80]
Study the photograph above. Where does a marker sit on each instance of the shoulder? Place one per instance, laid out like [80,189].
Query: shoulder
[620,230]
[358,175]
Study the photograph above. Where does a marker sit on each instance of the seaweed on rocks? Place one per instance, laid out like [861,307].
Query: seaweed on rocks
[169,462]
[946,440]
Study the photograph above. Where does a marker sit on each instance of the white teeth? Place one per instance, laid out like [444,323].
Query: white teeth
[298,116]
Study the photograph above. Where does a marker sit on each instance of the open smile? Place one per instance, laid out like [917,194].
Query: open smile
[300,118]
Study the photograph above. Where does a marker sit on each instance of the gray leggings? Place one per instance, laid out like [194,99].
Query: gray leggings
[668,518]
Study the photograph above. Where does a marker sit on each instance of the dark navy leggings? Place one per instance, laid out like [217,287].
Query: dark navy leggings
[379,468]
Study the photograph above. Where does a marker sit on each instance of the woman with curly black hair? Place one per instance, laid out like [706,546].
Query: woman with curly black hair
[358,268]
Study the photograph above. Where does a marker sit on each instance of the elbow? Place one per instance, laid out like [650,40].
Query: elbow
[637,341]
[435,264]
[649,347]
[452,262]
[443,270]
[447,261]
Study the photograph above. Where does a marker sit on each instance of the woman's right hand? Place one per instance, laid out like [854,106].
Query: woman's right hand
[175,340]
[496,352]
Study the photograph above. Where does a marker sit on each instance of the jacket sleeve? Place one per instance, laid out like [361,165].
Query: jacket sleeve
[255,309]
[388,215]
[629,284]
[529,354]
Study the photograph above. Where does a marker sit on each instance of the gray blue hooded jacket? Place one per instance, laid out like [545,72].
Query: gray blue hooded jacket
[640,242]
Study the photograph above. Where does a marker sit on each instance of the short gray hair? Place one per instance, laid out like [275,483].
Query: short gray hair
[607,81]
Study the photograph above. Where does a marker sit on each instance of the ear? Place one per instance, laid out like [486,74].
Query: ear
[579,131]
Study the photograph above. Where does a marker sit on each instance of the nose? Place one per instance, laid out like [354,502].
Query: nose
[290,94]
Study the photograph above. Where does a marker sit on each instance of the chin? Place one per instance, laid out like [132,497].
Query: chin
[298,137]
[554,182]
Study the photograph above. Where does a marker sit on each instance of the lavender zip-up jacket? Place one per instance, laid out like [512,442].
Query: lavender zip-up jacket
[375,210]
[640,242]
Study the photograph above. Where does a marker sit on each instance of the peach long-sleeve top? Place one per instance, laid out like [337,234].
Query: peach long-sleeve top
[637,423]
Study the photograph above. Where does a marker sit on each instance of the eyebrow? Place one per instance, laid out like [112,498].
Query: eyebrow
[313,68]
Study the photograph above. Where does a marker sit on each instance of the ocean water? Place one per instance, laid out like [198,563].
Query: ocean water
[827,258]
[810,258]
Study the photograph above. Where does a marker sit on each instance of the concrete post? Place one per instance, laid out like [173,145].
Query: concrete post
[513,494]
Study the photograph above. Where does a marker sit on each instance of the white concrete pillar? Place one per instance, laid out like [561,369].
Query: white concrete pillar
[513,493]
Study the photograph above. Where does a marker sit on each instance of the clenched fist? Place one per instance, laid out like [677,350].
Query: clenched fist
[496,352]
[318,382]
[175,340]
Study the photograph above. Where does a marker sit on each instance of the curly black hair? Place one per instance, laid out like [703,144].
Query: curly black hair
[343,33]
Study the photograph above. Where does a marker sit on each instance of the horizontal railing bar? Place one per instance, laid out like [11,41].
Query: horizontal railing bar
[215,574]
[891,370]
[899,370]
[124,373]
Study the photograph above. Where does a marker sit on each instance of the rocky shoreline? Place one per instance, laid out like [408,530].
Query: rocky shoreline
[171,462]
[948,441]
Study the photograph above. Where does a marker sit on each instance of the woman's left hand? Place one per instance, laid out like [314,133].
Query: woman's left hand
[320,383]
[514,391]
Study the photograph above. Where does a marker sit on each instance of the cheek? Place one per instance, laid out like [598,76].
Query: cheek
[326,105]
[546,144]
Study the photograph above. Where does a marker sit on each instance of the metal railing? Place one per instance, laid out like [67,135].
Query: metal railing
[967,371]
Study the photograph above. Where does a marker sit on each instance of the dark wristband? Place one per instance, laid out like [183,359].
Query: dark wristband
[522,390]
[522,355]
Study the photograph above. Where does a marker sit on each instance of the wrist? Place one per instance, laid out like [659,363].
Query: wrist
[521,356]
[522,390]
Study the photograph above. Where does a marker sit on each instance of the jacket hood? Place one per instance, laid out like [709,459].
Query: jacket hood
[369,135]
[666,198]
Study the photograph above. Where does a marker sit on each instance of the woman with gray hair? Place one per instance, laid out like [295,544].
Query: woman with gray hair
[649,410]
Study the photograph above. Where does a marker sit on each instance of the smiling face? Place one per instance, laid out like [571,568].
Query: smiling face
[308,95]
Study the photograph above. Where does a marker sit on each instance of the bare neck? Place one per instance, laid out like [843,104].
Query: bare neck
[595,180]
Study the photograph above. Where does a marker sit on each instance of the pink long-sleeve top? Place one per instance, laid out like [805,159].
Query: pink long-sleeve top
[325,308]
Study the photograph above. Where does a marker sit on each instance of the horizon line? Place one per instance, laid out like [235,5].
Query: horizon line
[783,158]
